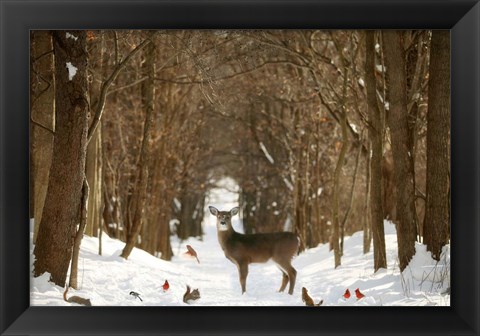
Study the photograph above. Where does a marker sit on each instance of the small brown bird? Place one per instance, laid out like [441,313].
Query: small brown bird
[191,295]
[308,300]
[166,286]
[347,294]
[359,294]
[191,252]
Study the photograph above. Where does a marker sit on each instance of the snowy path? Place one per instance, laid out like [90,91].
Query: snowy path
[217,277]
[107,280]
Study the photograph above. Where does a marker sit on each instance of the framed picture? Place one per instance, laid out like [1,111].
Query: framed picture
[133,26]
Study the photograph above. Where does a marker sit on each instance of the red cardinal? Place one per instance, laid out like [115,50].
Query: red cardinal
[191,252]
[347,294]
[166,286]
[359,294]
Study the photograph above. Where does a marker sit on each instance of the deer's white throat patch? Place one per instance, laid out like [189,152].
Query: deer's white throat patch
[221,227]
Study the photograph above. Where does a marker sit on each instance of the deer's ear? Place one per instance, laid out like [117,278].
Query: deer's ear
[213,210]
[234,211]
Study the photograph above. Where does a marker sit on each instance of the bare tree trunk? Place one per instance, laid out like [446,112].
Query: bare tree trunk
[42,120]
[402,157]
[60,217]
[299,187]
[375,134]
[338,169]
[367,226]
[94,177]
[335,208]
[350,202]
[164,246]
[137,203]
[79,235]
[248,204]
[436,226]
[388,187]
[94,158]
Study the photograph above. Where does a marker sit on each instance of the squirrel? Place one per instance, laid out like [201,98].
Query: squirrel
[76,299]
[308,300]
[193,295]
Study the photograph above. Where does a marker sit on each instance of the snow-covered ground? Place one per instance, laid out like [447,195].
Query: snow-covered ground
[107,280]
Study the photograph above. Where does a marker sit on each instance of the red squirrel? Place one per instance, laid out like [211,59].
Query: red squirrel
[308,300]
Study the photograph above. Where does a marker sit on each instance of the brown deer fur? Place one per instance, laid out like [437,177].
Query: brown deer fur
[244,249]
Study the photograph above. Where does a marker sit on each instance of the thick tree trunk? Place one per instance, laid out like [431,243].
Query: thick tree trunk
[402,157]
[137,203]
[436,226]
[164,246]
[188,200]
[375,134]
[388,187]
[190,214]
[42,122]
[61,213]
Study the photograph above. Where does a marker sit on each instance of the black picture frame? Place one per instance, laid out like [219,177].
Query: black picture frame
[17,17]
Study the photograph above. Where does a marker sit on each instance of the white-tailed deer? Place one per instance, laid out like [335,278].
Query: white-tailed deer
[244,249]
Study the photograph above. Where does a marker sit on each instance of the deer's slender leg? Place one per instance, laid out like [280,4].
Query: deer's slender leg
[292,275]
[243,272]
[286,267]
[284,282]
[289,273]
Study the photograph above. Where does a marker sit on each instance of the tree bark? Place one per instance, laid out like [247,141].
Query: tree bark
[61,213]
[338,169]
[375,134]
[94,164]
[350,201]
[79,235]
[94,177]
[402,157]
[367,227]
[42,120]
[336,184]
[436,226]
[137,203]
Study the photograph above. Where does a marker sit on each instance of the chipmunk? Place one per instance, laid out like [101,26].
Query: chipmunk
[193,295]
[76,299]
[308,300]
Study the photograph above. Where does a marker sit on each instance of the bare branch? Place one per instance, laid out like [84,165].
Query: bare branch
[42,126]
[106,85]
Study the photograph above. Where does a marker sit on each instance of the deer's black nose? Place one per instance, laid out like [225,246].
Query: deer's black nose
[223,222]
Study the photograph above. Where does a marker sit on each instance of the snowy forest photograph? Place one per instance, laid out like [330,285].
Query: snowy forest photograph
[239,168]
